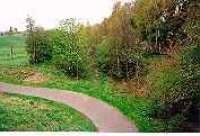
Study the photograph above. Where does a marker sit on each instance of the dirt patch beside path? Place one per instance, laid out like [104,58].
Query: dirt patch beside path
[36,77]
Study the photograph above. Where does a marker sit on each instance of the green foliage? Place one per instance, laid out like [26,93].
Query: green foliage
[181,98]
[124,64]
[116,62]
[38,46]
[191,72]
[102,56]
[116,54]
[191,85]
[38,43]
[159,23]
[115,47]
[164,75]
[67,52]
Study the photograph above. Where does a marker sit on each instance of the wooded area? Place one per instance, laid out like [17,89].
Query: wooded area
[121,49]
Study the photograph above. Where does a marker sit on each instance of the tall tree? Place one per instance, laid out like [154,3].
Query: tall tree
[159,23]
[119,33]
[67,53]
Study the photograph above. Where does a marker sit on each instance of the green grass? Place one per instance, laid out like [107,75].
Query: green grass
[12,40]
[19,55]
[23,113]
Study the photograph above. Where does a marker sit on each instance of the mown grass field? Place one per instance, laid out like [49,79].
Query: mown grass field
[23,113]
[12,50]
[16,71]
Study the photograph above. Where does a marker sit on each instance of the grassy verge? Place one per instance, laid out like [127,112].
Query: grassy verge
[23,113]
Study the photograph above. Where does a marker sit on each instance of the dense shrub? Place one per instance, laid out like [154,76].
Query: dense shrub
[116,54]
[182,98]
[38,43]
[191,85]
[67,52]
[116,62]
[102,56]
[124,64]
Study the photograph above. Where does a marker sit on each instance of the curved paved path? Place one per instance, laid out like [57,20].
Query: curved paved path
[105,117]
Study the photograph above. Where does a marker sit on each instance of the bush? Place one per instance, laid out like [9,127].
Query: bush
[102,57]
[191,83]
[124,66]
[38,43]
[117,62]
[182,98]
[67,52]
